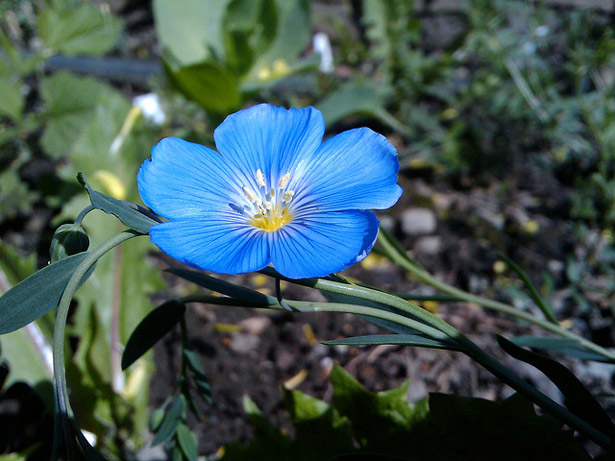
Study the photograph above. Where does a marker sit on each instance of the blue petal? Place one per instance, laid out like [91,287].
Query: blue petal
[356,169]
[213,242]
[184,179]
[268,138]
[321,243]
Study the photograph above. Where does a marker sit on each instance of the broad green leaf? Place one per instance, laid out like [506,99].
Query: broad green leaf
[190,30]
[16,198]
[26,359]
[173,418]
[74,104]
[11,98]
[151,329]
[398,339]
[208,84]
[225,288]
[130,214]
[319,428]
[292,36]
[85,30]
[566,346]
[187,442]
[578,398]
[353,98]
[36,295]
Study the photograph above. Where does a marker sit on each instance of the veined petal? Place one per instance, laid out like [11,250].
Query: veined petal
[320,243]
[356,169]
[216,242]
[184,179]
[270,139]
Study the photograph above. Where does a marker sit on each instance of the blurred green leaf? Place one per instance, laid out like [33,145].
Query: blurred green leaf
[172,419]
[74,104]
[187,442]
[353,98]
[36,295]
[151,329]
[292,26]
[16,198]
[84,30]
[190,30]
[11,98]
[207,84]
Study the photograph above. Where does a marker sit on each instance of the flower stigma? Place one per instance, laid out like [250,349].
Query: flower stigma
[268,209]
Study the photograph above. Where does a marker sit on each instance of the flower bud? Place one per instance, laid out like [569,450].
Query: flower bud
[68,239]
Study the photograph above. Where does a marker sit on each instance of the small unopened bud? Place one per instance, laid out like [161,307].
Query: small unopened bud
[68,239]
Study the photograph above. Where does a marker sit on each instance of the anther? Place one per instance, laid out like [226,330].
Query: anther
[288,196]
[284,181]
[251,195]
[260,178]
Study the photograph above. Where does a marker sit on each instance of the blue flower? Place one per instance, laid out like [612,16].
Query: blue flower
[275,194]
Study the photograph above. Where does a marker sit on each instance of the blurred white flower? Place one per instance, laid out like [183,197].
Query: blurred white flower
[322,46]
[150,107]
[541,31]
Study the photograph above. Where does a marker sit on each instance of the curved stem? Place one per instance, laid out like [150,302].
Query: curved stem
[59,372]
[425,277]
[434,323]
[83,212]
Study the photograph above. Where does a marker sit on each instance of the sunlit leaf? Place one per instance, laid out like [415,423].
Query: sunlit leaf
[187,442]
[36,295]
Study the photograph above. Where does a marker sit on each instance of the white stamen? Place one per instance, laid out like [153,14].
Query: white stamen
[251,195]
[284,181]
[260,178]
[288,196]
[267,205]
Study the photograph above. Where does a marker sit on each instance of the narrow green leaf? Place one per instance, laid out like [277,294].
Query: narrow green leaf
[194,363]
[171,420]
[540,302]
[397,339]
[187,442]
[151,329]
[130,214]
[567,346]
[220,286]
[578,399]
[36,295]
[88,450]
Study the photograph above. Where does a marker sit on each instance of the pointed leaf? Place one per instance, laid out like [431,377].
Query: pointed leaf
[397,339]
[578,399]
[171,420]
[567,346]
[151,329]
[220,286]
[130,214]
[187,442]
[36,295]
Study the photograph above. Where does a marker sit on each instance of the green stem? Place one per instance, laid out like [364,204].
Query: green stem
[425,277]
[433,323]
[59,377]
[82,214]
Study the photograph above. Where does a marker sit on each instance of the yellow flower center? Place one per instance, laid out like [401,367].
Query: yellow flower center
[269,211]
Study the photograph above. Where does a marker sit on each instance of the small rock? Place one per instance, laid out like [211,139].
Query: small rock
[429,245]
[254,325]
[418,221]
[387,222]
[242,343]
